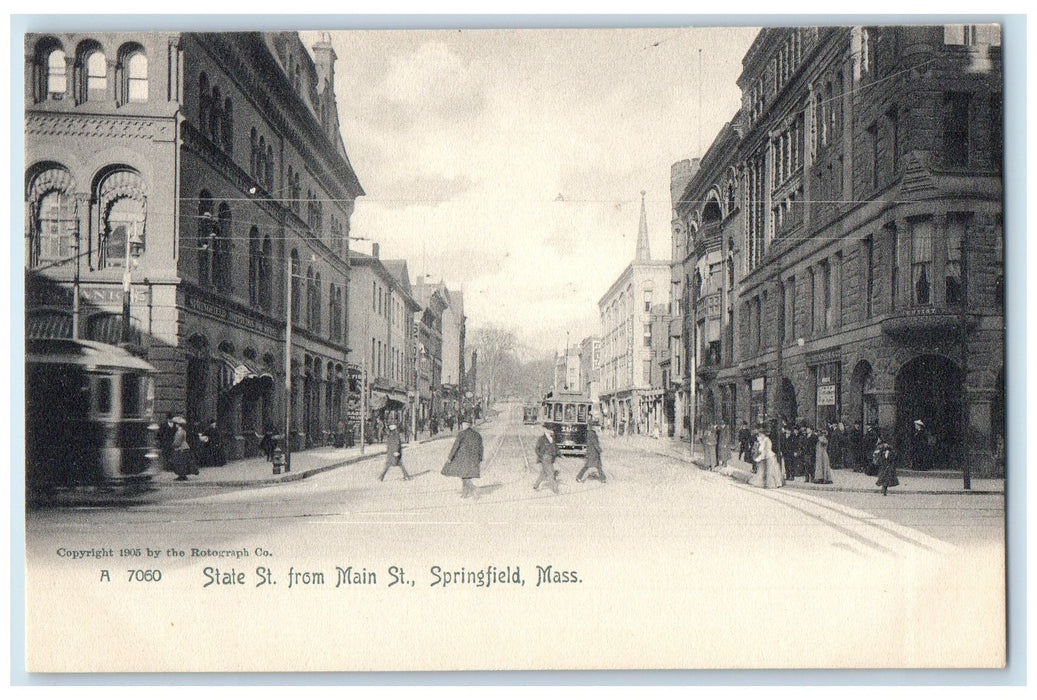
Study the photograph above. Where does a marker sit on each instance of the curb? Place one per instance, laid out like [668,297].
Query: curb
[292,476]
[857,489]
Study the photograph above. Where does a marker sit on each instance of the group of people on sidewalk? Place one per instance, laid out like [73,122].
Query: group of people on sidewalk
[782,453]
[186,446]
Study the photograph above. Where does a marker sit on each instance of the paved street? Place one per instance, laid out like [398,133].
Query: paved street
[667,562]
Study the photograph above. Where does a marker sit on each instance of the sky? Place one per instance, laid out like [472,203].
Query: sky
[510,163]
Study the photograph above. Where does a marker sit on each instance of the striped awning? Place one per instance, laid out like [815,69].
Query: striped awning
[235,372]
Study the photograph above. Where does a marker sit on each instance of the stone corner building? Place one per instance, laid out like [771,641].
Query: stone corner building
[635,342]
[844,238]
[211,164]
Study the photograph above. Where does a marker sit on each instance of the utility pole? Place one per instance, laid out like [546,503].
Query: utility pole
[966,468]
[288,369]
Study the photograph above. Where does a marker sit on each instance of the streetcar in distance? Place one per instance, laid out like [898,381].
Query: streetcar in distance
[530,414]
[568,415]
[88,416]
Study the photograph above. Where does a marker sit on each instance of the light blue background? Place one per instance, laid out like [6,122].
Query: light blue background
[1014,53]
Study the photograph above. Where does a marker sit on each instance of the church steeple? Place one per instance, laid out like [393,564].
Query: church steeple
[643,253]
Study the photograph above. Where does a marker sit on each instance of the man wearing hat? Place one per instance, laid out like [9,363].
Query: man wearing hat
[394,452]
[465,457]
[918,447]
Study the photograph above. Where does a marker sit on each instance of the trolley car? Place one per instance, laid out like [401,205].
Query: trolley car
[568,415]
[89,416]
[530,414]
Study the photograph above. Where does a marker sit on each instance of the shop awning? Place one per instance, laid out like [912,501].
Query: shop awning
[236,372]
[380,400]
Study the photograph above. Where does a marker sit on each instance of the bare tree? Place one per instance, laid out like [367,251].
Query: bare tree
[497,349]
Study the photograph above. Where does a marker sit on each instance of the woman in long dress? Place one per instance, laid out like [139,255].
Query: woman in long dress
[768,472]
[822,462]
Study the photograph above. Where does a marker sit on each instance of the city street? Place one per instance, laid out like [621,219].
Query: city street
[667,562]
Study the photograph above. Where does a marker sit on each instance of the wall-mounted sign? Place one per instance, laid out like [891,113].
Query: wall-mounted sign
[826,395]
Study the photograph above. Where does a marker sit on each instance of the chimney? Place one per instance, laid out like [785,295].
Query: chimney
[374,250]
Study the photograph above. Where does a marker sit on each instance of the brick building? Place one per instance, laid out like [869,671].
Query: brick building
[381,335]
[857,205]
[209,165]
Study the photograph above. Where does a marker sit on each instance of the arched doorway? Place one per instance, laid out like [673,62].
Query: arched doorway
[197,379]
[928,388]
[997,420]
[788,408]
[863,407]
[707,411]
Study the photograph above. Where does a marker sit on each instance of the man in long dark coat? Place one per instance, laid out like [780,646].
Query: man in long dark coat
[217,456]
[394,453]
[593,457]
[166,432]
[547,452]
[918,447]
[465,457]
[745,443]
[853,447]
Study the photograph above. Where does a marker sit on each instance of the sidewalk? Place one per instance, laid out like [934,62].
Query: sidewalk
[256,470]
[931,482]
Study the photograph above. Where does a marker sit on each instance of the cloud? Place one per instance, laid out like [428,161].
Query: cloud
[434,82]
[420,189]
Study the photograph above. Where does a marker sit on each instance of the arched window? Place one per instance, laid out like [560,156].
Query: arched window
[261,164]
[228,126]
[255,257]
[265,268]
[56,83]
[133,73]
[53,223]
[91,72]
[296,194]
[215,117]
[253,156]
[204,102]
[316,304]
[121,203]
[288,190]
[206,234]
[221,261]
[310,290]
[296,283]
[269,179]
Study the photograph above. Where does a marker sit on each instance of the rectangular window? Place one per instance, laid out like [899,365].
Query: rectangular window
[956,128]
[921,262]
[873,156]
[825,273]
[790,309]
[953,288]
[868,262]
[997,144]
[893,129]
[894,268]
[836,289]
[812,321]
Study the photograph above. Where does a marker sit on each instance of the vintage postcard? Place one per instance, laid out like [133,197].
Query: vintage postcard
[657,347]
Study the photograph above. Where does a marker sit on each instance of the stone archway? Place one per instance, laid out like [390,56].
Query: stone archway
[929,388]
[788,407]
[197,379]
[862,406]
